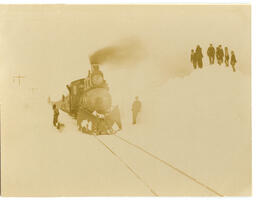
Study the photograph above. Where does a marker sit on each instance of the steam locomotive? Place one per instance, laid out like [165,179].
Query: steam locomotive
[90,103]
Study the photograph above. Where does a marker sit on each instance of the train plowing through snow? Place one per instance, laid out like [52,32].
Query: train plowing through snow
[90,103]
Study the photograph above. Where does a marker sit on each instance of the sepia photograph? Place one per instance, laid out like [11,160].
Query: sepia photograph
[126,100]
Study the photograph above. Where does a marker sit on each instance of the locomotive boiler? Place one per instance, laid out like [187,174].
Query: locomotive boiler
[90,103]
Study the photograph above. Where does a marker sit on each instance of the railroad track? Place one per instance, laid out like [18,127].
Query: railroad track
[139,177]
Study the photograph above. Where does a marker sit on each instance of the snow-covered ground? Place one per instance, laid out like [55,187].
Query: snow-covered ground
[199,123]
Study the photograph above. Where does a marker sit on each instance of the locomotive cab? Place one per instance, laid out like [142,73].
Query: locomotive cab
[76,89]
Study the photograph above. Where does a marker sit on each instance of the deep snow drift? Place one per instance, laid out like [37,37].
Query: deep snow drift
[199,123]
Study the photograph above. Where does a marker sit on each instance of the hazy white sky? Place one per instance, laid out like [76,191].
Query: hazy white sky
[51,44]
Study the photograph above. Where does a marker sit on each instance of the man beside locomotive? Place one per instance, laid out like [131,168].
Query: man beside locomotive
[136,107]
[55,115]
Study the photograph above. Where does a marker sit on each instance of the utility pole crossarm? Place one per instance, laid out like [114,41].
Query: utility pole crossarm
[19,77]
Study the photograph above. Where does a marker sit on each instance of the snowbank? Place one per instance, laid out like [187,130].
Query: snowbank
[201,123]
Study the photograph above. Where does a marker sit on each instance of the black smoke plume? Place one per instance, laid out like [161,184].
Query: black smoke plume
[125,52]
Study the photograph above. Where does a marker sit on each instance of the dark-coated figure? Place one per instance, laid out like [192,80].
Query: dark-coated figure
[211,54]
[193,58]
[136,107]
[55,115]
[226,57]
[233,60]
[199,56]
[219,54]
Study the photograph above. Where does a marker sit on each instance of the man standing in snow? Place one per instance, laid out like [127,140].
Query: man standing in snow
[233,61]
[199,56]
[219,54]
[55,115]
[136,107]
[211,54]
[193,58]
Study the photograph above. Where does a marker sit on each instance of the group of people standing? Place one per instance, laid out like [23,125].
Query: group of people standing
[197,57]
[221,56]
